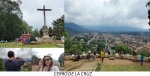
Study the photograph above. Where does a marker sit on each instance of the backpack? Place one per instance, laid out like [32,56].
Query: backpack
[10,65]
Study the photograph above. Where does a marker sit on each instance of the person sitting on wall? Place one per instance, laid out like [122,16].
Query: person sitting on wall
[83,55]
[149,58]
[78,57]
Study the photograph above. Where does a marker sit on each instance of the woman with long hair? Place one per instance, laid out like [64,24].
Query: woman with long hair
[46,64]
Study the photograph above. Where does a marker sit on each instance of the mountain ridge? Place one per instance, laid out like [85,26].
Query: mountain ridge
[72,27]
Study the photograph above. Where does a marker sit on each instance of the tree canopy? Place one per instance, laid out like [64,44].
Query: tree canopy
[58,27]
[2,67]
[148,5]
[11,24]
[122,48]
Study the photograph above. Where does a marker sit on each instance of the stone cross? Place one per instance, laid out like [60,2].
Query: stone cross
[44,13]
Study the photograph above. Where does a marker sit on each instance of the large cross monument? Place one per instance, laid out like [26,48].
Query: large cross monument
[45,30]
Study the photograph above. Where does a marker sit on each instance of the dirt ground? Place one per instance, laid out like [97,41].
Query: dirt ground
[70,63]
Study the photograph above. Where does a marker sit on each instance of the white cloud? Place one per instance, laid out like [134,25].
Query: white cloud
[19,52]
[41,52]
[35,18]
[107,12]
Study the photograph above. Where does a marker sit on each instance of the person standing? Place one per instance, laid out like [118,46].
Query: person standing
[54,37]
[113,52]
[135,52]
[120,54]
[94,53]
[28,36]
[89,54]
[149,58]
[23,38]
[108,52]
[102,54]
[78,57]
[142,57]
[83,55]
[13,64]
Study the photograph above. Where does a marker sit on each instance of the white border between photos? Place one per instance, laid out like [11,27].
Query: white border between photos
[75,73]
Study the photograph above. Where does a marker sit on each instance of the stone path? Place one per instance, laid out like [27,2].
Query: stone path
[89,66]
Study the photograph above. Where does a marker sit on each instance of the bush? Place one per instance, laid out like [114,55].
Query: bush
[33,39]
[2,67]
[123,48]
[145,53]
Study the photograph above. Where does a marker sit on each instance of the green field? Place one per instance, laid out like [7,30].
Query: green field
[20,45]
[122,65]
[125,68]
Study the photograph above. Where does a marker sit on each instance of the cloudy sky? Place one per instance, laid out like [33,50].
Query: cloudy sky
[35,18]
[107,12]
[19,52]
[41,52]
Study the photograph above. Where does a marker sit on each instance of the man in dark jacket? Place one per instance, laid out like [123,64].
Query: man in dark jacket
[13,64]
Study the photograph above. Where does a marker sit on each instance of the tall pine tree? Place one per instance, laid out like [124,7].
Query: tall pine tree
[58,27]
[148,5]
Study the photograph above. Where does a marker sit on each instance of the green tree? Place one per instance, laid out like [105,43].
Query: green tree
[41,33]
[66,34]
[148,5]
[100,46]
[35,60]
[144,52]
[2,67]
[58,27]
[85,47]
[50,31]
[11,24]
[68,44]
[79,47]
[125,49]
[35,33]
[25,27]
[73,49]
[10,18]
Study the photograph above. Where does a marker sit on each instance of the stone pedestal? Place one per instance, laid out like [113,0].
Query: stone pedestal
[45,37]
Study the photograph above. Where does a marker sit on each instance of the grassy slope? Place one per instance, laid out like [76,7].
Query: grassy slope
[133,67]
[20,45]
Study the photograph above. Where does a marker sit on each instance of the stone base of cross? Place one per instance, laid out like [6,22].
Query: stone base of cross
[45,37]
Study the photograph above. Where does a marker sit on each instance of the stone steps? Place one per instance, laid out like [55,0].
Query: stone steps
[90,66]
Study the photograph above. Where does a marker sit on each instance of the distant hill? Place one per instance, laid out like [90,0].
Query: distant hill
[74,28]
[115,29]
[28,60]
